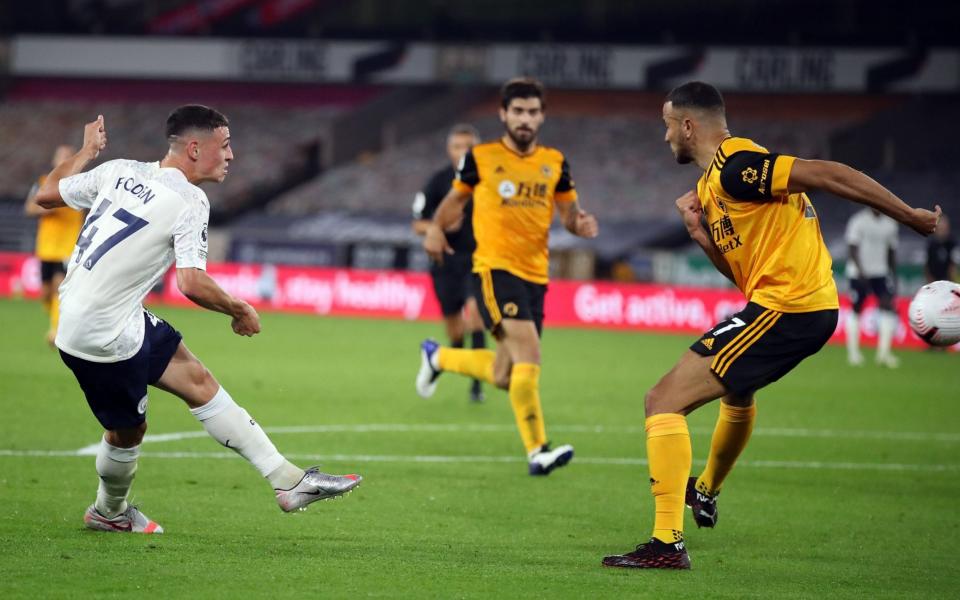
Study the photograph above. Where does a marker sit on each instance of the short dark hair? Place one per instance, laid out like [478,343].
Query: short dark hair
[522,87]
[696,94]
[194,116]
[464,129]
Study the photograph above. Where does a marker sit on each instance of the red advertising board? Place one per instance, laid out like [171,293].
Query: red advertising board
[403,295]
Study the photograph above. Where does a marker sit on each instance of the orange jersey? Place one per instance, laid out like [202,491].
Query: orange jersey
[770,238]
[57,232]
[513,203]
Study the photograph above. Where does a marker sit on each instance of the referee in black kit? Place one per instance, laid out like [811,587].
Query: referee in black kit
[451,280]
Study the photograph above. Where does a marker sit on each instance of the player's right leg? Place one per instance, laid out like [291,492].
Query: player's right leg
[887,322]
[231,425]
[858,296]
[476,363]
[117,394]
[687,386]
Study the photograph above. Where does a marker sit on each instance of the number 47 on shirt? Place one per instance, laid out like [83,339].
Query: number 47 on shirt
[133,225]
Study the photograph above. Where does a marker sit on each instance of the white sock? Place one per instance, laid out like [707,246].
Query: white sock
[233,427]
[853,334]
[116,468]
[885,330]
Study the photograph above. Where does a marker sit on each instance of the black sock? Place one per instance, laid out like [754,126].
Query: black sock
[456,343]
[478,339]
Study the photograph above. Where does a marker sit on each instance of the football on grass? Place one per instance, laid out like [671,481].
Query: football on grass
[935,313]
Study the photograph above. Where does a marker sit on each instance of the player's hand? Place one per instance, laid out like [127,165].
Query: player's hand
[435,244]
[925,221]
[246,321]
[586,225]
[94,137]
[690,209]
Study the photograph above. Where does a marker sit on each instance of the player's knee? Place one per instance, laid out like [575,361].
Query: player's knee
[128,437]
[653,400]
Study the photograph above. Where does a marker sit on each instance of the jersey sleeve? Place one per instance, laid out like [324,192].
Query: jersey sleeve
[748,175]
[468,176]
[190,235]
[425,203]
[566,190]
[80,191]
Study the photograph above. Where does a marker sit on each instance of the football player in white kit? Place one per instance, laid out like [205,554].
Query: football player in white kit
[871,238]
[143,218]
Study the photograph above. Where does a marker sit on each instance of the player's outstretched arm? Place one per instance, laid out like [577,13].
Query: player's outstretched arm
[94,140]
[448,214]
[691,211]
[846,182]
[30,206]
[577,221]
[202,290]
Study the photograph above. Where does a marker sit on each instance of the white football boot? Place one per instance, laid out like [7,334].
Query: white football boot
[315,486]
[129,521]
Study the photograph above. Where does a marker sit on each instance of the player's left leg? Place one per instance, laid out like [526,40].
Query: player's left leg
[887,322]
[730,437]
[232,426]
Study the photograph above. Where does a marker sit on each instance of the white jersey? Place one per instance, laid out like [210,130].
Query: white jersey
[142,217]
[874,236]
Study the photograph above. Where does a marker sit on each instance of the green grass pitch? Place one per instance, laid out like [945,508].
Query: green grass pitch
[848,489]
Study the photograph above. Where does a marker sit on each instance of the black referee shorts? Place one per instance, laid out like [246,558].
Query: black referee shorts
[758,345]
[452,283]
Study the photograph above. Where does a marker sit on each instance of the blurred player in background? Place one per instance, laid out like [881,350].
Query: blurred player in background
[872,269]
[57,231]
[763,234]
[452,278]
[144,217]
[515,184]
[940,264]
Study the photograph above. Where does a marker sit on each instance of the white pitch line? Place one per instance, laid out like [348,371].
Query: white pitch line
[913,436]
[595,460]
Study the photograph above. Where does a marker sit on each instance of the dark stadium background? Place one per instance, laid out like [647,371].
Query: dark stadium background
[339,110]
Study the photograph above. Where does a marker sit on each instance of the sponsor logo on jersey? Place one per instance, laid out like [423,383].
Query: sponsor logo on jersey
[507,189]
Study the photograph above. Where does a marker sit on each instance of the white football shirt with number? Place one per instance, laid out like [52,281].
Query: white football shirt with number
[142,217]
[873,236]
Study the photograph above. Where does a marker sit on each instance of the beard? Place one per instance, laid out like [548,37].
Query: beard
[683,156]
[522,143]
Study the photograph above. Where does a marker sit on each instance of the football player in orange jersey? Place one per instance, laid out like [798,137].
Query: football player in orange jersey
[517,185]
[751,216]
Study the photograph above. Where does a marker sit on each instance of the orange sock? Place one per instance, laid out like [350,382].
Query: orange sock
[669,456]
[525,400]
[476,363]
[54,312]
[730,437]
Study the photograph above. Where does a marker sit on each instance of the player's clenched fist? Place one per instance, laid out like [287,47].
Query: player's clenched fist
[246,321]
[95,137]
[690,209]
[586,225]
